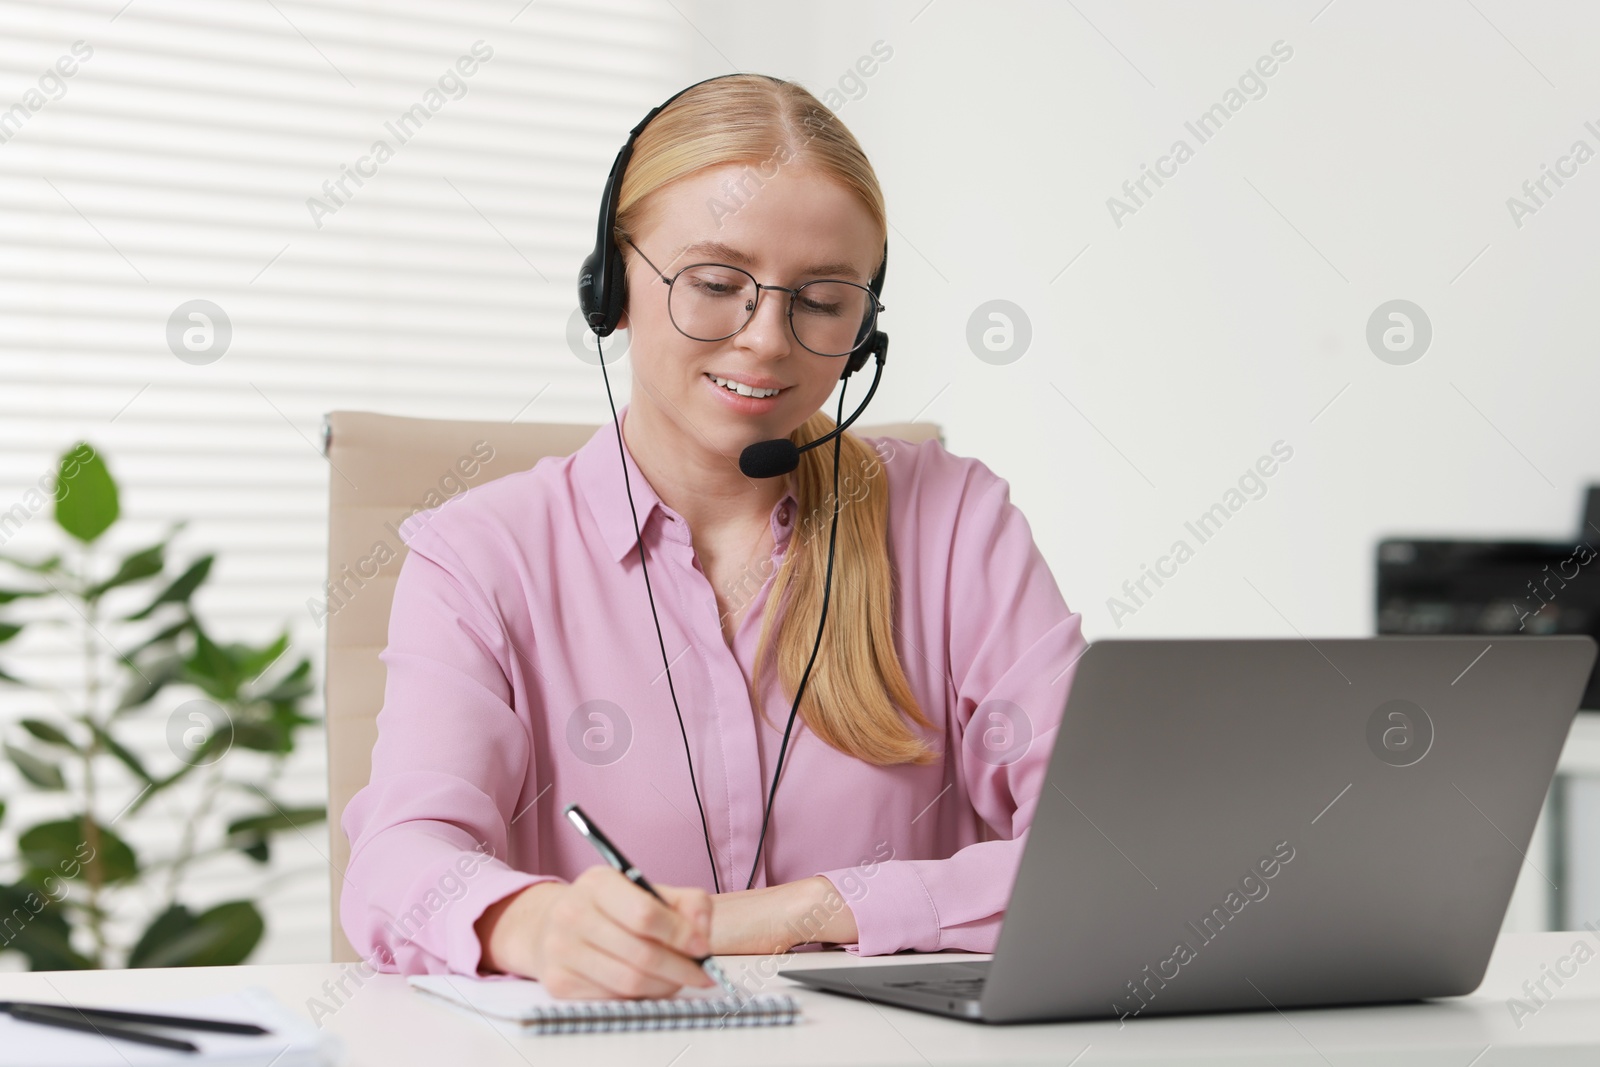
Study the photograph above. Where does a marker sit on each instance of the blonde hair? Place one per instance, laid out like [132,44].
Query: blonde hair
[857,698]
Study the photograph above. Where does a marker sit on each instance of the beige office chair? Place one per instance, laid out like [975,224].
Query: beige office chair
[383,467]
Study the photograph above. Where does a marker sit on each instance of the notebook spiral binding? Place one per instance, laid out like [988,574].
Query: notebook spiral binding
[581,1017]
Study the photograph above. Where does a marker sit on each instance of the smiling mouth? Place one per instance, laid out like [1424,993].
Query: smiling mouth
[743,390]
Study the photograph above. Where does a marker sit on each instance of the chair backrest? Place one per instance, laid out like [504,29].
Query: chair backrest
[382,468]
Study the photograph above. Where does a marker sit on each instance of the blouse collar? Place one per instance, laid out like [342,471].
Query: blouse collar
[600,482]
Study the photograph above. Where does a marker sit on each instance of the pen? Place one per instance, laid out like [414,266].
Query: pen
[71,1017]
[613,856]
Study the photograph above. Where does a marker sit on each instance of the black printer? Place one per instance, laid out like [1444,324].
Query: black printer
[1495,587]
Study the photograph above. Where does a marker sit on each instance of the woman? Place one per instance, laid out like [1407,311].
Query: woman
[524,672]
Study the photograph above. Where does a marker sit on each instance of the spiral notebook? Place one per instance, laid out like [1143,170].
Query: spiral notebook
[529,1004]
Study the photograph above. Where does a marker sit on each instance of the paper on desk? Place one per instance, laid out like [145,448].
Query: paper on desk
[516,999]
[294,1042]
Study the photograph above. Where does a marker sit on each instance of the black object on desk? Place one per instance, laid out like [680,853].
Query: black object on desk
[103,1021]
[1495,587]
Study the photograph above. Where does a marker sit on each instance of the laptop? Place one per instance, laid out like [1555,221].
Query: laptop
[1257,824]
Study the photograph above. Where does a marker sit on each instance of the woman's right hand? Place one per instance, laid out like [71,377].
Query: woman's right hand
[599,937]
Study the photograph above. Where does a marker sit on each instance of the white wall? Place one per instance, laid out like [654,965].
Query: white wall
[1228,311]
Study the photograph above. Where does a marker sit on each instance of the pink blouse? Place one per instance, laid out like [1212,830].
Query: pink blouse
[524,674]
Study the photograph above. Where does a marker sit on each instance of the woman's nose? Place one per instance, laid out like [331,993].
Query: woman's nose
[768,329]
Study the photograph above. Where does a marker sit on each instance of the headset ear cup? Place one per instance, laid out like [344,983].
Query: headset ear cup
[603,289]
[877,345]
[590,289]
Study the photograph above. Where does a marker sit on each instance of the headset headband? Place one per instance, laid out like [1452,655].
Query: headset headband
[602,281]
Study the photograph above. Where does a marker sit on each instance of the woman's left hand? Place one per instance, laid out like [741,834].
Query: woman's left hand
[777,918]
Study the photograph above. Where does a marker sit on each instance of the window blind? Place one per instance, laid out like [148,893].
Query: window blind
[205,248]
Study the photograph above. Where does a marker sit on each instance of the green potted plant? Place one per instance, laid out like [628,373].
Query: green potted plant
[74,877]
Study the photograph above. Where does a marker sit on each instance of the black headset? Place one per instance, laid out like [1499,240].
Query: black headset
[603,283]
[602,293]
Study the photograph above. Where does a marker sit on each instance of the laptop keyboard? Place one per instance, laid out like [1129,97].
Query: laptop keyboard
[963,988]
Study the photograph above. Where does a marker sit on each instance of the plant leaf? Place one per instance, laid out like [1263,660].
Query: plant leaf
[288,717]
[156,675]
[257,850]
[61,848]
[41,773]
[165,928]
[170,633]
[7,677]
[212,668]
[44,935]
[49,733]
[8,595]
[180,590]
[278,819]
[8,630]
[135,567]
[44,566]
[261,736]
[220,937]
[116,748]
[256,660]
[86,494]
[292,686]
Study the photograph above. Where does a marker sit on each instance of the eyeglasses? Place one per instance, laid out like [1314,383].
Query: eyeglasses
[715,301]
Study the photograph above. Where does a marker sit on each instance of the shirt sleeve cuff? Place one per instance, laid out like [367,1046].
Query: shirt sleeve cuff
[893,909]
[495,882]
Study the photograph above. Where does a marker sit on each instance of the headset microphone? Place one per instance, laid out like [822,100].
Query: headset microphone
[779,456]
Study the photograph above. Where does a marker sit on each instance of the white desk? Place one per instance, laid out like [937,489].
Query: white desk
[385,1024]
